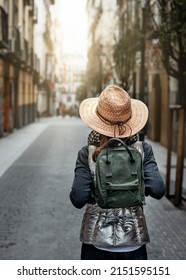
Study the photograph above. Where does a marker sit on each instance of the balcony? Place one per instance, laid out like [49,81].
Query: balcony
[3,29]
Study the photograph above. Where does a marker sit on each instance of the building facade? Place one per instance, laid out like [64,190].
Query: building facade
[22,53]
[19,64]
[44,46]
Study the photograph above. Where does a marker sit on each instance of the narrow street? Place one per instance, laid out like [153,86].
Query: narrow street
[37,218]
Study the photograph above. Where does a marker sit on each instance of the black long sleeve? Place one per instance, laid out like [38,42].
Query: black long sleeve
[154,184]
[83,185]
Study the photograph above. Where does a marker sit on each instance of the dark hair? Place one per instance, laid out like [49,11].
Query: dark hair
[102,144]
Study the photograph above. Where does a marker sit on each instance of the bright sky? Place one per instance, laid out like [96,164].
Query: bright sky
[72,14]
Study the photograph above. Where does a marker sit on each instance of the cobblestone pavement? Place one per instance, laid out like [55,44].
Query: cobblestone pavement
[37,220]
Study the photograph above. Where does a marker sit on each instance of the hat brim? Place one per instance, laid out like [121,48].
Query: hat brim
[139,117]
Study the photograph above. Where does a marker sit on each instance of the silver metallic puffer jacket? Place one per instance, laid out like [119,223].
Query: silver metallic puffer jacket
[114,227]
[117,227]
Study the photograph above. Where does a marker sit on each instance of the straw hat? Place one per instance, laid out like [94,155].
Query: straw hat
[114,113]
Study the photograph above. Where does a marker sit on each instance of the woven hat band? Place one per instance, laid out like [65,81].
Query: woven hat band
[120,124]
[128,116]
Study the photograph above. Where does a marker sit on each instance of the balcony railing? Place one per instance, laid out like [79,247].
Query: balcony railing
[3,29]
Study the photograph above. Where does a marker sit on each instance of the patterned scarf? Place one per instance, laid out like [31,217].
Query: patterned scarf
[94,139]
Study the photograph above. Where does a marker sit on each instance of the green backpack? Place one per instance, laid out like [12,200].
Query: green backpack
[119,176]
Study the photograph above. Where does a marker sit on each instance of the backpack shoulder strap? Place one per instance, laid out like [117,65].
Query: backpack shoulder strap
[92,164]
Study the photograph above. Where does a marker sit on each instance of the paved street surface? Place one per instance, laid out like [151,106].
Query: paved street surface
[37,220]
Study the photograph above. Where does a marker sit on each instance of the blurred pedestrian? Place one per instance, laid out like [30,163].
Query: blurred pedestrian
[114,233]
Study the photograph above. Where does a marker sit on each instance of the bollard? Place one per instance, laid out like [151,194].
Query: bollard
[169,150]
[180,153]
[180,158]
